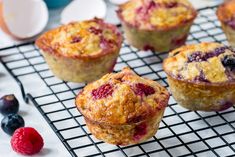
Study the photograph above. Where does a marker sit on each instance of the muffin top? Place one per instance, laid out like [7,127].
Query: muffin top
[156,14]
[205,62]
[92,38]
[121,98]
[226,13]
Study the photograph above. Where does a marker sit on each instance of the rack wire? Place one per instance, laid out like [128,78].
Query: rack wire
[181,133]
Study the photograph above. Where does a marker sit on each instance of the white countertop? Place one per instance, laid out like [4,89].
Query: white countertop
[53,146]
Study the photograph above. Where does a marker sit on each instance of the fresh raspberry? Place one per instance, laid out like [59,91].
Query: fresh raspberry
[26,141]
[142,89]
[102,92]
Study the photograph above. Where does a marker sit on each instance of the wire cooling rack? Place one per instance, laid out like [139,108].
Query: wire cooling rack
[181,133]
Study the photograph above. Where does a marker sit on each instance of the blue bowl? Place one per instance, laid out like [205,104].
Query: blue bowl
[56,3]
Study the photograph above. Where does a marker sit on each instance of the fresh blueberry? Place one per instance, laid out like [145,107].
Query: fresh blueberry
[9,105]
[12,122]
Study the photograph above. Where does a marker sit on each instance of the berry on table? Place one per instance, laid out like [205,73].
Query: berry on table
[9,105]
[12,122]
[26,141]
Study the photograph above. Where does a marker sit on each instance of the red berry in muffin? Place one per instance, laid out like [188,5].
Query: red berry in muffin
[142,89]
[103,91]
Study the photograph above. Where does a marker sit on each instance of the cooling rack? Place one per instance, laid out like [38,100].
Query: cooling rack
[181,133]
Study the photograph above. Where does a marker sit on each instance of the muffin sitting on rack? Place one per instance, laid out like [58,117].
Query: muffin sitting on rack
[226,15]
[123,108]
[202,76]
[81,51]
[159,25]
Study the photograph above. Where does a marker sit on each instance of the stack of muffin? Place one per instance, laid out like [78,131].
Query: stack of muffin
[124,108]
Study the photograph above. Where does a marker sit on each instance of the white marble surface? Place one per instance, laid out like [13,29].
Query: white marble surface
[53,147]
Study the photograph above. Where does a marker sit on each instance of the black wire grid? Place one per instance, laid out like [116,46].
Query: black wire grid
[181,133]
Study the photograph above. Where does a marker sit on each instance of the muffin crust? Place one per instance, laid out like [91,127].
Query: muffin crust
[84,40]
[156,14]
[201,63]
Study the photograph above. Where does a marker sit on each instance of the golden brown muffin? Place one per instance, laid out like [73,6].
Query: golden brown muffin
[202,76]
[226,15]
[81,51]
[159,25]
[123,108]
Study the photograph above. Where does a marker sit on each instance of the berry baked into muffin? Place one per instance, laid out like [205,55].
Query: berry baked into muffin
[159,25]
[202,76]
[81,51]
[226,15]
[123,108]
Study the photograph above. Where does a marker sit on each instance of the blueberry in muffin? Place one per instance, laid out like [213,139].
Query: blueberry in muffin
[123,108]
[202,76]
[159,25]
[81,51]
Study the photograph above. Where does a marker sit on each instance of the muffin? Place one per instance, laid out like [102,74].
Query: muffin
[123,108]
[157,25]
[226,16]
[202,76]
[81,51]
